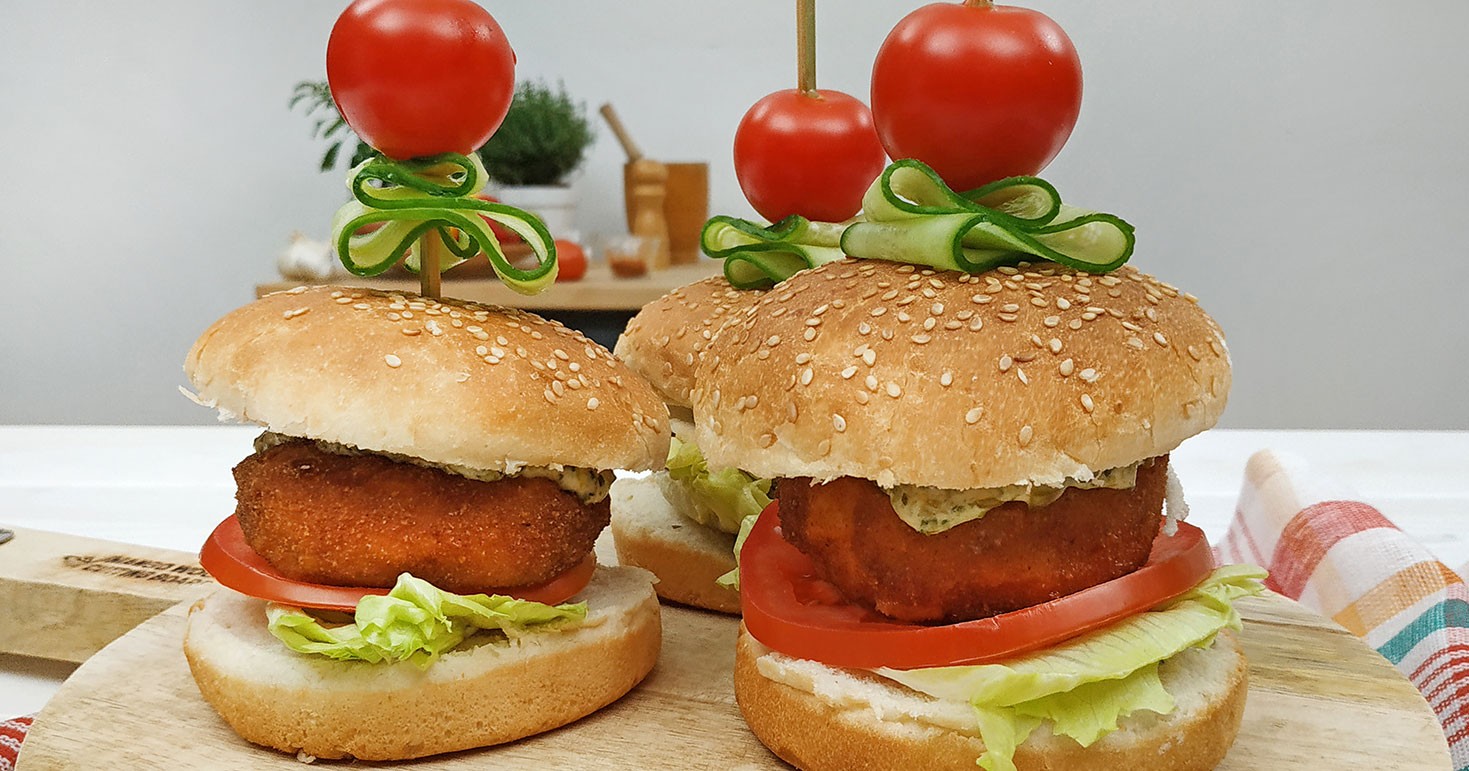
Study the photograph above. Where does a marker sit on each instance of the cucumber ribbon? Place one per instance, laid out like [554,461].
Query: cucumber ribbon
[756,257]
[409,198]
[910,215]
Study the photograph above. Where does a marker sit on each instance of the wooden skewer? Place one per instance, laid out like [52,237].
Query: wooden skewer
[429,264]
[634,153]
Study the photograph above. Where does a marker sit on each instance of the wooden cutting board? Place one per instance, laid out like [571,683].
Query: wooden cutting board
[64,596]
[1319,699]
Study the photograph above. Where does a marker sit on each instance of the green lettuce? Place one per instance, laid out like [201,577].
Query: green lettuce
[731,580]
[720,499]
[417,622]
[1082,687]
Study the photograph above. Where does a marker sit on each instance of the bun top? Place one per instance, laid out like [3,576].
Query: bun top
[663,342]
[906,375]
[448,381]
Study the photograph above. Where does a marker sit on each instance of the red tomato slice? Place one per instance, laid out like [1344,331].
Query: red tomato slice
[789,609]
[232,562]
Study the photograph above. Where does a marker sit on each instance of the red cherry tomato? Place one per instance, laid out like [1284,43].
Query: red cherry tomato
[231,561]
[978,92]
[420,77]
[789,609]
[571,261]
[815,156]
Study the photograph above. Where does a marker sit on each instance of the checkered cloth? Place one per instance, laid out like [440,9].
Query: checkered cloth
[1345,560]
[12,733]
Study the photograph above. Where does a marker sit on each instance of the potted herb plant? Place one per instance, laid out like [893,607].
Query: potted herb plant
[543,140]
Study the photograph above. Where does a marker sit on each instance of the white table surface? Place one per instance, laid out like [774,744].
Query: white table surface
[169,486]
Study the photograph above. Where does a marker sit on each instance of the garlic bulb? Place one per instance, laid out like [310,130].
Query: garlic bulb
[306,259]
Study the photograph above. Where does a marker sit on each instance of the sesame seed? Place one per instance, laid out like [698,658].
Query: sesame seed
[1055,345]
[871,382]
[806,376]
[903,317]
[803,358]
[869,357]
[344,301]
[921,339]
[1067,367]
[1039,302]
[820,310]
[936,309]
[1135,343]
[1074,324]
[1063,303]
[981,298]
[929,323]
[809,334]
[977,324]
[1010,307]
[1160,339]
[862,397]
[946,379]
[550,397]
[929,293]
[1193,353]
[480,350]
[766,440]
[824,448]
[813,322]
[894,390]
[848,373]
[1086,403]
[1026,434]
[411,331]
[393,361]
[1006,362]
[1023,377]
[864,328]
[1089,375]
[839,423]
[1052,321]
[558,387]
[1008,317]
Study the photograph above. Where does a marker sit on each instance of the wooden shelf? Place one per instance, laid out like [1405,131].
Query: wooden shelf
[599,290]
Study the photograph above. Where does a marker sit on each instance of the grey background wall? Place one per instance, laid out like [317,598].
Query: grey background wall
[1300,166]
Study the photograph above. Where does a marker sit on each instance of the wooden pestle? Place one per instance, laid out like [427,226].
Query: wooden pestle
[645,187]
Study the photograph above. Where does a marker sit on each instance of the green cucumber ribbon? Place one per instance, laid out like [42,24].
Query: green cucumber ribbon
[756,257]
[416,622]
[910,215]
[410,198]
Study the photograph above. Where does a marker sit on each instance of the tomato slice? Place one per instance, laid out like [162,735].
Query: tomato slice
[790,609]
[231,561]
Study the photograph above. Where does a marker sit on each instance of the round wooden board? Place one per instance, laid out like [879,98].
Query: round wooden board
[1319,699]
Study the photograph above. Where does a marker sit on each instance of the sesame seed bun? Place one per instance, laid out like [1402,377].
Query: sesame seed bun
[473,697]
[906,375]
[447,381]
[663,342]
[817,717]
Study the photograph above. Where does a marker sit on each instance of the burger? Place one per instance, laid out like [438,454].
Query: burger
[409,568]
[975,552]
[681,523]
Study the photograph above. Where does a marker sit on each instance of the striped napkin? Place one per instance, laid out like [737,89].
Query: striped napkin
[1345,560]
[12,733]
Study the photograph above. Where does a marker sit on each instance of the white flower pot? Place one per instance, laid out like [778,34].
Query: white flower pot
[554,204]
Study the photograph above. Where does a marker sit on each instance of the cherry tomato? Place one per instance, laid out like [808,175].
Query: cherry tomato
[231,561]
[420,77]
[795,153]
[571,261]
[789,609]
[979,92]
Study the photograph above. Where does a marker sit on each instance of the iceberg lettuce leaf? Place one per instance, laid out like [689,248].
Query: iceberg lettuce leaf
[415,621]
[1083,686]
[720,499]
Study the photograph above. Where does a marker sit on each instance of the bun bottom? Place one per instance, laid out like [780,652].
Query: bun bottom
[687,557]
[816,717]
[475,697]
